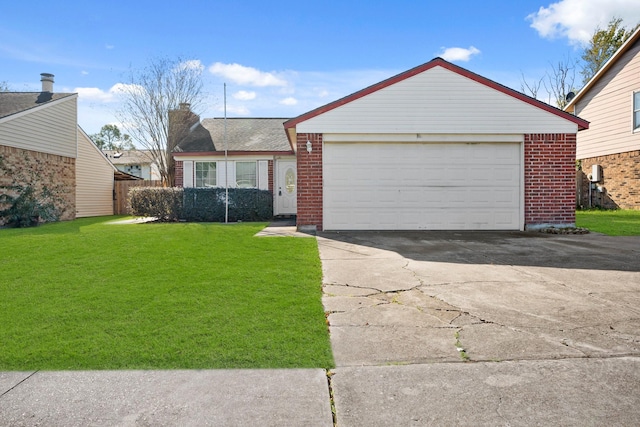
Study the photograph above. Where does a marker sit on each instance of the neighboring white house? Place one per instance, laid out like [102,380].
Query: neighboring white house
[134,162]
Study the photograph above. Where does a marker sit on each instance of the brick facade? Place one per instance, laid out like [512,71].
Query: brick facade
[549,179]
[270,179]
[620,184]
[179,174]
[309,165]
[30,167]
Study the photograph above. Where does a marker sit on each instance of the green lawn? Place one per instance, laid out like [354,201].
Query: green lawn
[613,223]
[91,295]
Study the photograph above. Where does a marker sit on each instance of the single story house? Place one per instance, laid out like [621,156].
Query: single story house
[134,162]
[41,144]
[239,153]
[437,147]
[609,151]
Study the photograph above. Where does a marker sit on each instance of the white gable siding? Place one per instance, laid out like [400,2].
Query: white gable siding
[608,105]
[51,128]
[94,180]
[437,101]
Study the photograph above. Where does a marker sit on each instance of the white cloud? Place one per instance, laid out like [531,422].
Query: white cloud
[239,110]
[242,75]
[94,94]
[458,53]
[289,101]
[578,19]
[84,73]
[244,95]
[109,46]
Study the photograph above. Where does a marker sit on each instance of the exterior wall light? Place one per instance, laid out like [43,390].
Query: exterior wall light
[309,148]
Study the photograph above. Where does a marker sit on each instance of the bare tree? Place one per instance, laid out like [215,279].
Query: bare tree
[4,86]
[560,81]
[532,88]
[151,95]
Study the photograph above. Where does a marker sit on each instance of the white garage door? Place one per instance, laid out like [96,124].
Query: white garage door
[433,186]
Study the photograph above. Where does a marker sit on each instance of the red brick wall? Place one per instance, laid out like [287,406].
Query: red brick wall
[24,167]
[309,181]
[549,179]
[179,174]
[621,181]
[270,173]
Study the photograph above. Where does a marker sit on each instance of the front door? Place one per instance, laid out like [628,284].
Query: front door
[286,188]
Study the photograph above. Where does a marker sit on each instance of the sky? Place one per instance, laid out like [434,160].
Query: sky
[284,58]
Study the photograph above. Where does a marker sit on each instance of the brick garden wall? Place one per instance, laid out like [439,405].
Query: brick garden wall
[621,181]
[309,181]
[549,179]
[30,167]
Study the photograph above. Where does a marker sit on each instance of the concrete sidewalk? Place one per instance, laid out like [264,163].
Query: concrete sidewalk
[291,397]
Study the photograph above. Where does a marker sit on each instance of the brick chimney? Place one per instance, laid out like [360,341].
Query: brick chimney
[47,82]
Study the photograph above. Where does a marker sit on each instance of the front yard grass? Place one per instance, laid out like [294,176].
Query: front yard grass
[91,295]
[610,222]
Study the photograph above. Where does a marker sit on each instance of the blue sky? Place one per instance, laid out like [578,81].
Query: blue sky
[283,58]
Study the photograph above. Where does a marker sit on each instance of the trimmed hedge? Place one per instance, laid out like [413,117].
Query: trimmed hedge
[245,204]
[159,202]
[201,204]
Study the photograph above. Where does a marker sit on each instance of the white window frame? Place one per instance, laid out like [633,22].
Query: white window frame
[198,181]
[247,180]
[635,118]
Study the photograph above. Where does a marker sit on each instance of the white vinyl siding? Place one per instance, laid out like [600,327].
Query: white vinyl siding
[609,107]
[205,174]
[429,186]
[437,101]
[94,180]
[51,128]
[263,175]
[252,172]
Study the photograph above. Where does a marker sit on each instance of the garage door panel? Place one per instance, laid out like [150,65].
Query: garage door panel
[422,186]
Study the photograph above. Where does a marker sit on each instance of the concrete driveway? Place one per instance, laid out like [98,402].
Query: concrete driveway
[561,313]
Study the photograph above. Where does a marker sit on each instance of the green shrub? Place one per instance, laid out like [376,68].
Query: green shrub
[162,203]
[28,208]
[245,204]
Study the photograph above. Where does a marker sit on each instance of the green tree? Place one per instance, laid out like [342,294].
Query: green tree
[110,138]
[602,46]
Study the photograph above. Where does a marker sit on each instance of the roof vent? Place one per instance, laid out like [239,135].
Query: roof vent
[47,82]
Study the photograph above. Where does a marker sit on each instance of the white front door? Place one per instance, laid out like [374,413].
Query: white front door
[286,194]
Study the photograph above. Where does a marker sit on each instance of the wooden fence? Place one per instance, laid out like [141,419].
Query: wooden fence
[121,194]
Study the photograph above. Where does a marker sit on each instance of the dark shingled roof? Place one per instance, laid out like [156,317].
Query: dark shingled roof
[16,102]
[243,134]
